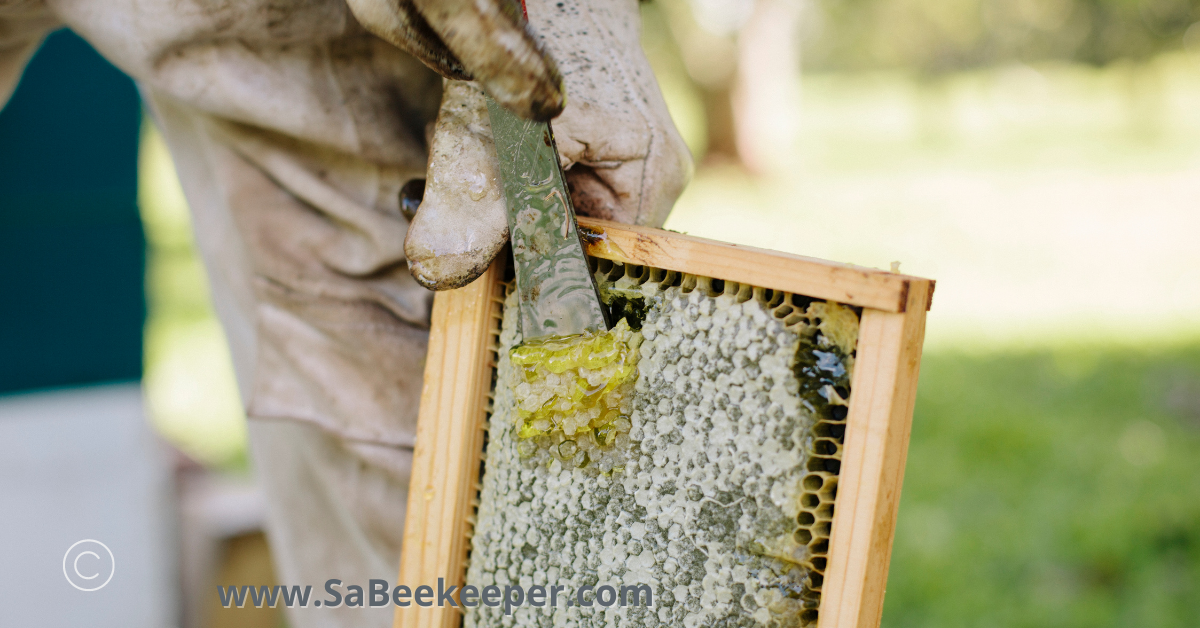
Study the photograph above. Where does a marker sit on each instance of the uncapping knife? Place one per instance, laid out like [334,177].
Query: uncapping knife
[556,292]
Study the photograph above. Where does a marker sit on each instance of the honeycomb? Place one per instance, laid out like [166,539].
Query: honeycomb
[574,398]
[724,498]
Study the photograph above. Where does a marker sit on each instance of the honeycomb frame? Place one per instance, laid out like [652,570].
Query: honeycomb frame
[862,452]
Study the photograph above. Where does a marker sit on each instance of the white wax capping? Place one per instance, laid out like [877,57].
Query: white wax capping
[711,507]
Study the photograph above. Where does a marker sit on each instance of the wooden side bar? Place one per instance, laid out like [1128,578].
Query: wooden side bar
[883,391]
[450,429]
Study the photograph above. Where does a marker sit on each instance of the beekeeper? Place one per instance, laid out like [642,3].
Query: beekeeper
[294,127]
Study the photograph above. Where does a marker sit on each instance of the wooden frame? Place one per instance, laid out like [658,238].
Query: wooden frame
[452,420]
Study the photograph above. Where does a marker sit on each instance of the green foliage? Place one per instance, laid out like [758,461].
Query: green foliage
[935,36]
[1052,488]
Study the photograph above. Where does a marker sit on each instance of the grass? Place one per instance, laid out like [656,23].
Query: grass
[1052,488]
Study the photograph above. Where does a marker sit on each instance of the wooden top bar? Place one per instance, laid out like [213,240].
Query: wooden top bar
[845,283]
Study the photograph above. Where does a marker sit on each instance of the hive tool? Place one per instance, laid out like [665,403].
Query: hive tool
[556,292]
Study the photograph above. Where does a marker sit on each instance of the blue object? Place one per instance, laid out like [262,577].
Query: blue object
[72,250]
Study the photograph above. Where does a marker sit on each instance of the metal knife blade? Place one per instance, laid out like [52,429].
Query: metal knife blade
[556,292]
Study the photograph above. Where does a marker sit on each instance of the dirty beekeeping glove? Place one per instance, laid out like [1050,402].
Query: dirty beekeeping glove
[482,40]
[623,157]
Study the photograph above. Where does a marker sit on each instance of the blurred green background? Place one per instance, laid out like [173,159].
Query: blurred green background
[1041,160]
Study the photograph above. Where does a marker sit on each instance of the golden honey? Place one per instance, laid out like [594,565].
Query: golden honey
[574,393]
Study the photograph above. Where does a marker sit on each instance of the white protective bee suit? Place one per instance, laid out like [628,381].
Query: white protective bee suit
[293,126]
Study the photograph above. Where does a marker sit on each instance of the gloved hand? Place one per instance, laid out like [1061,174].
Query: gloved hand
[483,40]
[623,157]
